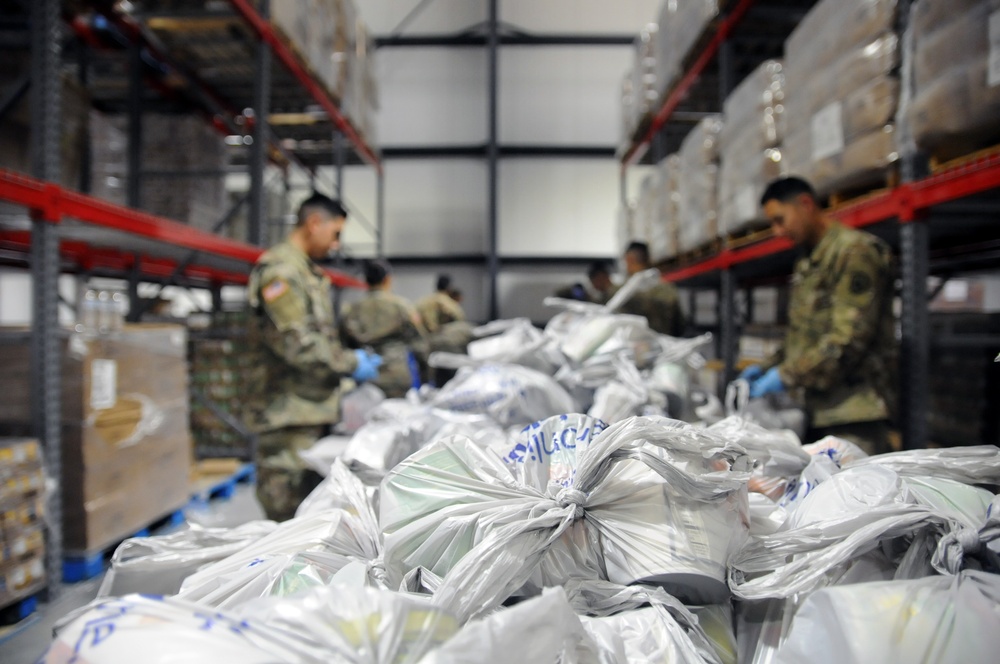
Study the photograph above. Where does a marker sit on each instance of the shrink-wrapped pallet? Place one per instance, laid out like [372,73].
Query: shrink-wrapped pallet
[697,185]
[681,22]
[644,92]
[956,76]
[663,231]
[842,94]
[749,145]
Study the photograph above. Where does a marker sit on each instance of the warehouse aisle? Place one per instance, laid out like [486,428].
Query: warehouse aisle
[25,642]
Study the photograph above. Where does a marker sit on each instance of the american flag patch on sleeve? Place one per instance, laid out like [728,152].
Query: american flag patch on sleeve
[274,290]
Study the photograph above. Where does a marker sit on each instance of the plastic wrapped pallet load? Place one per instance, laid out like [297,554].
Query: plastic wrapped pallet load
[681,25]
[663,229]
[842,94]
[697,185]
[750,145]
[955,76]
[646,500]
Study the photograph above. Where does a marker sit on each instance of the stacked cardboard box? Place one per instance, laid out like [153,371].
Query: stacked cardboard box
[15,130]
[126,446]
[842,93]
[697,185]
[956,76]
[681,24]
[750,146]
[225,372]
[22,509]
[334,43]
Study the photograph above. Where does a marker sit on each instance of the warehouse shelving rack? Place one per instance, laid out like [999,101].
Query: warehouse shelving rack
[953,210]
[67,231]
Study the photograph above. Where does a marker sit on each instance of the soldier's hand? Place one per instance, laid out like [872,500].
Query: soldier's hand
[368,364]
[769,383]
[751,373]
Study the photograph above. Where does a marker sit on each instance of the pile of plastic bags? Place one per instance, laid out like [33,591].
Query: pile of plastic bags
[540,507]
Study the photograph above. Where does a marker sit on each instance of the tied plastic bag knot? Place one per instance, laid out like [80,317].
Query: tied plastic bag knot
[954,546]
[377,572]
[568,496]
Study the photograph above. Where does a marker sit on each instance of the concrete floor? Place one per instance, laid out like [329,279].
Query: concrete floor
[25,642]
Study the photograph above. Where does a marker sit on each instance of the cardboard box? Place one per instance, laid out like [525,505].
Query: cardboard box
[19,579]
[126,444]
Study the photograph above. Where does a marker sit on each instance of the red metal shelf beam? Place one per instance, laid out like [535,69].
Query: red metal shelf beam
[53,203]
[680,91]
[904,203]
[266,33]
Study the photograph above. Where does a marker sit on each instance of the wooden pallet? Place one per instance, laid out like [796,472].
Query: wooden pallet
[216,479]
[889,179]
[699,253]
[937,164]
[752,233]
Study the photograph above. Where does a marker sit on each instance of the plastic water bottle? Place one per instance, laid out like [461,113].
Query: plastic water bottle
[89,313]
[118,312]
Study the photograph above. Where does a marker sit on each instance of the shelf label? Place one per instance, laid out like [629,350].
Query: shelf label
[993,76]
[103,384]
[828,132]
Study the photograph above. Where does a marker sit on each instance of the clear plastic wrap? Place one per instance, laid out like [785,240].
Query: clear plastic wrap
[746,169]
[834,27]
[956,90]
[936,619]
[756,108]
[860,162]
[668,501]
[697,185]
[644,92]
[682,23]
[663,229]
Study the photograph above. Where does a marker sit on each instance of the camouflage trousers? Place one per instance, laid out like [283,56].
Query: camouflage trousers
[872,437]
[283,479]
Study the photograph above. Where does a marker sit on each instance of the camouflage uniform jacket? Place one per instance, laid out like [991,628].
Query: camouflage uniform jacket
[439,309]
[840,347]
[661,307]
[391,326]
[305,361]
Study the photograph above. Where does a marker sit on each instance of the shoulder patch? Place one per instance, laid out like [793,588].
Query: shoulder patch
[861,283]
[274,290]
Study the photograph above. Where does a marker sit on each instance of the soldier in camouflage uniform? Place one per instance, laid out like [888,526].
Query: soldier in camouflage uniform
[840,349]
[291,299]
[389,324]
[439,308]
[660,305]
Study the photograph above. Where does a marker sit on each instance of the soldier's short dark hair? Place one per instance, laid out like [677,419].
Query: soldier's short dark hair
[641,251]
[443,282]
[784,190]
[318,202]
[376,271]
[598,267]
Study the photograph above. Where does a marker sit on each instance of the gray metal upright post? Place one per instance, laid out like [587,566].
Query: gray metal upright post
[728,332]
[46,407]
[915,345]
[492,153]
[339,156]
[133,191]
[258,150]
[380,213]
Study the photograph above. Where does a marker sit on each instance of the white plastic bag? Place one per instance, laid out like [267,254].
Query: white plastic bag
[936,619]
[978,464]
[510,394]
[158,565]
[620,398]
[326,450]
[155,630]
[668,502]
[356,405]
[842,519]
[304,552]
[624,631]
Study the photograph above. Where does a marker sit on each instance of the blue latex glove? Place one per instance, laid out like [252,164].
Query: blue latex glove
[751,373]
[368,364]
[769,383]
